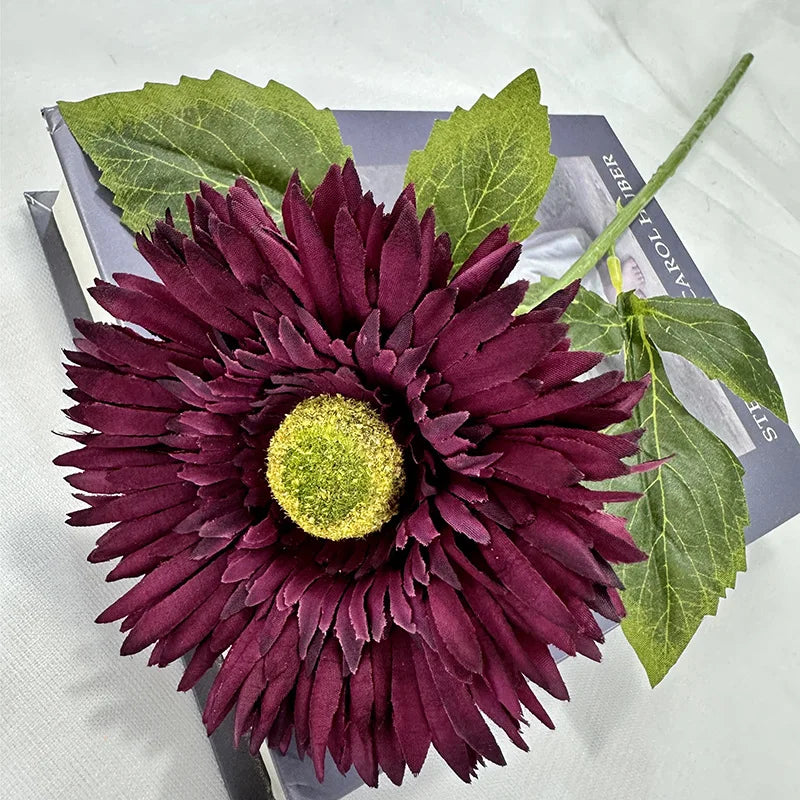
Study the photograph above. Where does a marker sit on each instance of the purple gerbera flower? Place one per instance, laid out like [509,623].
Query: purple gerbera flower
[355,480]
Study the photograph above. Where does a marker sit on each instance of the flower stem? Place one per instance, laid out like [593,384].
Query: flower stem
[628,213]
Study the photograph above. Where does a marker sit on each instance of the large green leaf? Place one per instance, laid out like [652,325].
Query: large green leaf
[690,521]
[593,323]
[487,166]
[156,144]
[715,339]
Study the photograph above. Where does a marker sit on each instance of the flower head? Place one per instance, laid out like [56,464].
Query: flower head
[358,480]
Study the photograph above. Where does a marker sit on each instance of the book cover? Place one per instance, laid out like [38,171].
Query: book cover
[592,173]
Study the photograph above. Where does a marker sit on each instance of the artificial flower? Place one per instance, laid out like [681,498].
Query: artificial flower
[355,478]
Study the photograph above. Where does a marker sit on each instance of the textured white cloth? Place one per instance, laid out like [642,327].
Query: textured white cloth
[80,722]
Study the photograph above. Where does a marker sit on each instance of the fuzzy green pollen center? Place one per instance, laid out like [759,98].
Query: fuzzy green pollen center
[335,468]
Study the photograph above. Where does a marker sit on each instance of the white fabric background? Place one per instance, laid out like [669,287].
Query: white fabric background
[78,721]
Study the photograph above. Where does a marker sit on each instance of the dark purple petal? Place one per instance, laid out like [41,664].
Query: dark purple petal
[324,702]
[486,274]
[456,514]
[319,267]
[152,587]
[450,746]
[410,724]
[328,198]
[503,359]
[152,314]
[454,626]
[398,284]
[476,324]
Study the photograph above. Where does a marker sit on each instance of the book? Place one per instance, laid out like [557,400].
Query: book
[83,238]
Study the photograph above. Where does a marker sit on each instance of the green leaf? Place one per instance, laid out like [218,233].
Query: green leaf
[487,166]
[715,339]
[156,144]
[690,521]
[593,323]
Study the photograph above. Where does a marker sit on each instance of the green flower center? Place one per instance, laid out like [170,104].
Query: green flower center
[335,468]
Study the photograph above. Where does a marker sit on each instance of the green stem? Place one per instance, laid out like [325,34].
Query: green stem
[601,245]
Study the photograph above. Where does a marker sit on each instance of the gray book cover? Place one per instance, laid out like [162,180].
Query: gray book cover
[592,172]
